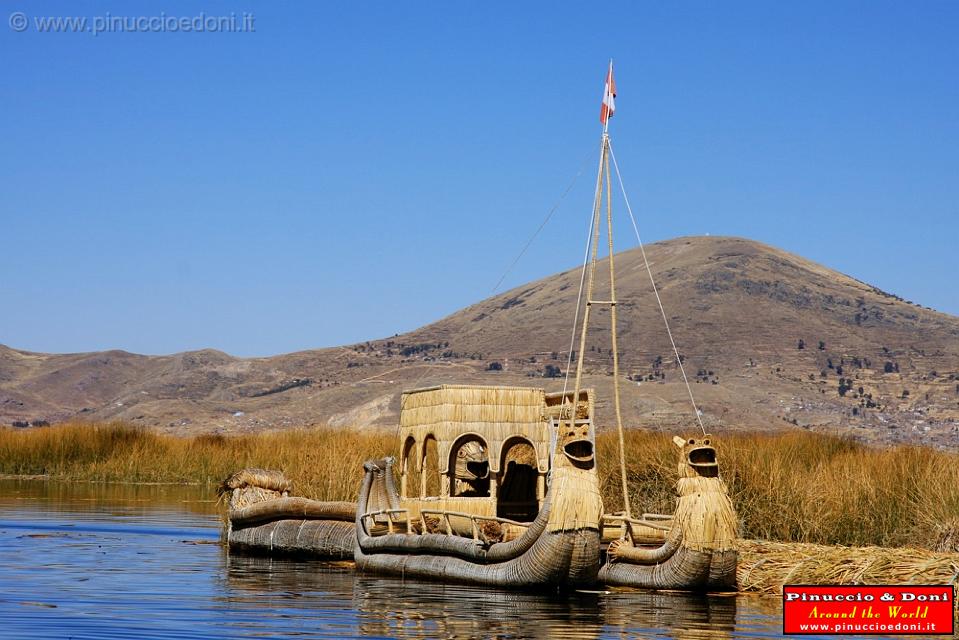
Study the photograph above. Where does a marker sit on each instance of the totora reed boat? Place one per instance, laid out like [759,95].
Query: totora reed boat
[515,501]
[512,499]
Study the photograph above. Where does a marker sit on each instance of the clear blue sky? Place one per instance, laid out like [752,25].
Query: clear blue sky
[350,171]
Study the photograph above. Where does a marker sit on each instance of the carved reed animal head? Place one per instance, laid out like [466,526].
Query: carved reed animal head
[697,457]
[472,462]
[575,444]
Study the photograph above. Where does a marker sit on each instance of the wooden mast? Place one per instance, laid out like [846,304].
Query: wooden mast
[603,180]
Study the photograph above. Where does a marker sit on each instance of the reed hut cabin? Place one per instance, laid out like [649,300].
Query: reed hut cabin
[479,451]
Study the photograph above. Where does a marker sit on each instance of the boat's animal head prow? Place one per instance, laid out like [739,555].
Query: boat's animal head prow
[697,457]
[700,548]
[576,504]
[576,445]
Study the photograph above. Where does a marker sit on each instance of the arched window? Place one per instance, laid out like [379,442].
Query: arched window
[430,479]
[469,467]
[409,474]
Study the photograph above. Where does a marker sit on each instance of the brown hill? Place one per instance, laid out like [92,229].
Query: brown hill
[871,364]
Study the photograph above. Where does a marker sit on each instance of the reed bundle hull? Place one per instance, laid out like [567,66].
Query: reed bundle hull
[559,549]
[686,570]
[554,560]
[263,519]
[320,539]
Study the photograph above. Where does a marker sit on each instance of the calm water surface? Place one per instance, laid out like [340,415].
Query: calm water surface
[105,561]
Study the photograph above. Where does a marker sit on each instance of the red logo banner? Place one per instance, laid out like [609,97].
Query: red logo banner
[868,609]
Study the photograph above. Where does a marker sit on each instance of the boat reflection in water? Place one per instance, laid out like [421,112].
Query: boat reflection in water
[392,607]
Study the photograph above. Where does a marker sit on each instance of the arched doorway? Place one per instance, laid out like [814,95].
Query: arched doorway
[516,498]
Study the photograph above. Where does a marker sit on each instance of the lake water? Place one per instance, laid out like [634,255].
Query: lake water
[80,560]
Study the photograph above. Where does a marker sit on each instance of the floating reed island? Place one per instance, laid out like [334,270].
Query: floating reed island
[764,567]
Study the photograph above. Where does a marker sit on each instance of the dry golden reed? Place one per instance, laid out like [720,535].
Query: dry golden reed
[804,487]
[765,566]
[795,486]
[326,464]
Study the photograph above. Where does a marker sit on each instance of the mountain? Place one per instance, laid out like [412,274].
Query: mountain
[769,340]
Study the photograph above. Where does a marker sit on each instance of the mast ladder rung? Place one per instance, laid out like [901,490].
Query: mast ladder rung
[609,302]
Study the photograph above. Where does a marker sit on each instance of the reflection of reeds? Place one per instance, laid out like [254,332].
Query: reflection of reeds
[796,486]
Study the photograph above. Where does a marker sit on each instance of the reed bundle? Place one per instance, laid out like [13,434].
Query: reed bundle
[577,503]
[764,567]
[252,477]
[292,509]
[705,515]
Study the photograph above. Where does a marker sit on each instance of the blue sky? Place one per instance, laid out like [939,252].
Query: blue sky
[350,171]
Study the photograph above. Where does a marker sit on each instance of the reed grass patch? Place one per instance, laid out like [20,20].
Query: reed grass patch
[326,464]
[790,487]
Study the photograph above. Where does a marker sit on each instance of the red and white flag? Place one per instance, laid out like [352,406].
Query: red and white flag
[609,98]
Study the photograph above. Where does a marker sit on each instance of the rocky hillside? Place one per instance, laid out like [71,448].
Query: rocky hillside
[770,340]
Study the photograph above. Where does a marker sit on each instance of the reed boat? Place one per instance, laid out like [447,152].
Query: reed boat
[692,549]
[498,486]
[512,498]
[516,503]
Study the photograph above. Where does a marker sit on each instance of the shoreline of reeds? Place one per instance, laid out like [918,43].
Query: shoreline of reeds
[48,477]
[794,487]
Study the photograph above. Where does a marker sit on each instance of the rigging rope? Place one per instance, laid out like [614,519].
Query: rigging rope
[543,224]
[579,299]
[572,337]
[669,332]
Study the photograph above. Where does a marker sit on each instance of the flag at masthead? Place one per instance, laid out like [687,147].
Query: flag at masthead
[609,97]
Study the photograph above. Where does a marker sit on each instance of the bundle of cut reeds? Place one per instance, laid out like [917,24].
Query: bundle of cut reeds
[765,567]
